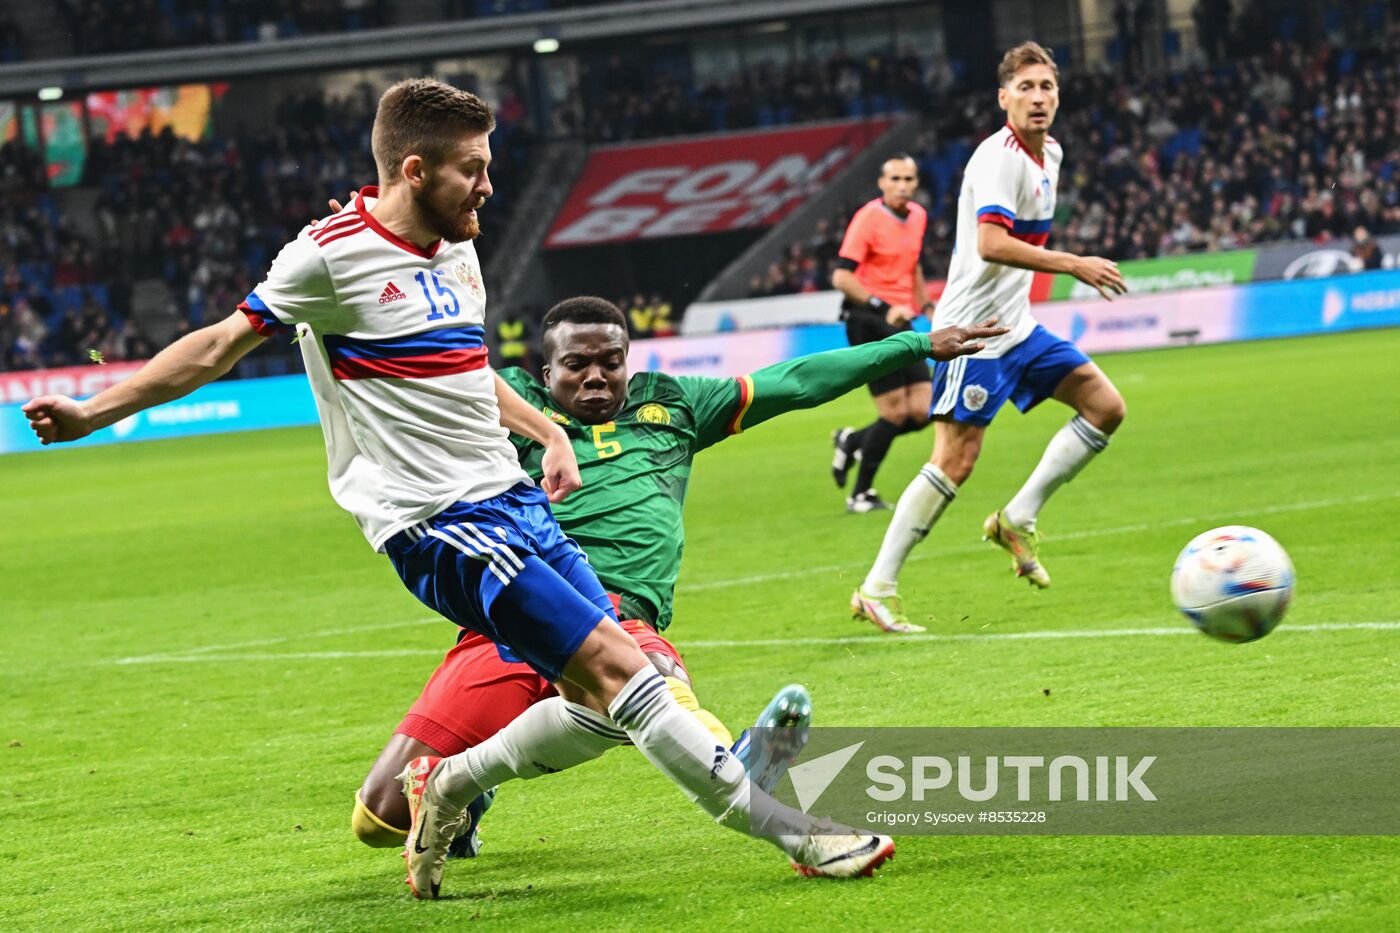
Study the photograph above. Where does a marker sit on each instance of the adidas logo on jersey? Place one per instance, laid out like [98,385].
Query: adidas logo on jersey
[391,293]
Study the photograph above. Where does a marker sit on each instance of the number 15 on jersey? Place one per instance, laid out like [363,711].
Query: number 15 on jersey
[443,291]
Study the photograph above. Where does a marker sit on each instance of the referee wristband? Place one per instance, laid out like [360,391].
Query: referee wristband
[876,304]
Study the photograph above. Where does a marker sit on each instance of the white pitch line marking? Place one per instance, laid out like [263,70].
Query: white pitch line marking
[1015,636]
[1068,536]
[189,653]
[264,642]
[776,642]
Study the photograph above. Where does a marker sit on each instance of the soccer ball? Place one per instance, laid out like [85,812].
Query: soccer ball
[1234,583]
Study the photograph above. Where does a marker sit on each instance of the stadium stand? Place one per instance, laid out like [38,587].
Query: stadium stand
[761,96]
[99,26]
[204,217]
[1298,141]
[1292,140]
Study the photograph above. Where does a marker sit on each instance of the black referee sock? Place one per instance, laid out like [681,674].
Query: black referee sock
[875,444]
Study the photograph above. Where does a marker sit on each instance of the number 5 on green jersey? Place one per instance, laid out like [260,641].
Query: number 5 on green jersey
[606,448]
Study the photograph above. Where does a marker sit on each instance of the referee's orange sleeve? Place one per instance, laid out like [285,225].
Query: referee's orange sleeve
[855,246]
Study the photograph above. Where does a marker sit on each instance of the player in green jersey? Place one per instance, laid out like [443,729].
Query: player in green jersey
[635,438]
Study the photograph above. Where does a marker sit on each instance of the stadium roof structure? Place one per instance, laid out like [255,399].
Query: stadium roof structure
[403,43]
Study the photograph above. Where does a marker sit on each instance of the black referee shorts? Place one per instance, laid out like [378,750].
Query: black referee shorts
[865,326]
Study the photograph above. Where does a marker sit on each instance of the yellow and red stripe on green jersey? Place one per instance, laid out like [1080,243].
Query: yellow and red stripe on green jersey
[746,393]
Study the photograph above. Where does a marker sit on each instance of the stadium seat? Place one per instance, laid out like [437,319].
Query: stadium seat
[68,298]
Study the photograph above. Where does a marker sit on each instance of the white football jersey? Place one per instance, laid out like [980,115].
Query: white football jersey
[392,335]
[1003,184]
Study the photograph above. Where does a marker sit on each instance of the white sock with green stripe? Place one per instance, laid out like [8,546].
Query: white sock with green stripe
[922,502]
[1068,452]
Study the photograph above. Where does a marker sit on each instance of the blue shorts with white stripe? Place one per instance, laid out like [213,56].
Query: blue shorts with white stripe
[503,568]
[972,389]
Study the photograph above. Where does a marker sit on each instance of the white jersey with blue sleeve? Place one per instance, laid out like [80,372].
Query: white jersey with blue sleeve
[393,339]
[1004,183]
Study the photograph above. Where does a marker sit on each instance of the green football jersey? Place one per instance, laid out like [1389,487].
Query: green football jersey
[627,516]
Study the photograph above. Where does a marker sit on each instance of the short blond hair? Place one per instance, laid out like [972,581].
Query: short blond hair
[1027,53]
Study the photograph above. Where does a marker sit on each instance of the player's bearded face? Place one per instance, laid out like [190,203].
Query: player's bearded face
[449,207]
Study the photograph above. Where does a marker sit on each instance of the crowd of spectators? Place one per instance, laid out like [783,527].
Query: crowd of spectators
[648,315]
[1295,140]
[205,217]
[1298,141]
[103,26]
[626,101]
[57,298]
[106,26]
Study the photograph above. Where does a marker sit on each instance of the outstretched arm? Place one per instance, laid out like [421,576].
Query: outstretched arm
[188,363]
[809,381]
[559,466]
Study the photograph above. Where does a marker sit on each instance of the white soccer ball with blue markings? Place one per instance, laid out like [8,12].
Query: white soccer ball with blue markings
[1234,583]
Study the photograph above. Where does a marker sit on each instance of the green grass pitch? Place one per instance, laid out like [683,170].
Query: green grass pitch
[207,782]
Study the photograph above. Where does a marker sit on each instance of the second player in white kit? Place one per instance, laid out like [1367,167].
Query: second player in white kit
[1005,208]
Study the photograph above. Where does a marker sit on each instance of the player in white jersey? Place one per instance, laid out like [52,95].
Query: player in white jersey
[387,300]
[1004,214]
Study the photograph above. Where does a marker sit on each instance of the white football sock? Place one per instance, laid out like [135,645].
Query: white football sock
[681,748]
[549,736]
[919,506]
[1068,452]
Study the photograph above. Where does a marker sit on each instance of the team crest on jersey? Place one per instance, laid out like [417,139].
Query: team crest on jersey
[469,275]
[652,413]
[974,397]
[555,416]
[1045,193]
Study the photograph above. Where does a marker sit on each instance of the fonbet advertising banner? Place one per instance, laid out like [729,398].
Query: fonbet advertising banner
[707,185]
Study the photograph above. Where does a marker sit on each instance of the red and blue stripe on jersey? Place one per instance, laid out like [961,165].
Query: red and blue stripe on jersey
[262,318]
[1034,232]
[424,355]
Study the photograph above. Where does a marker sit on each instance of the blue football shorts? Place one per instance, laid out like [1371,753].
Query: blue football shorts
[503,568]
[972,389]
